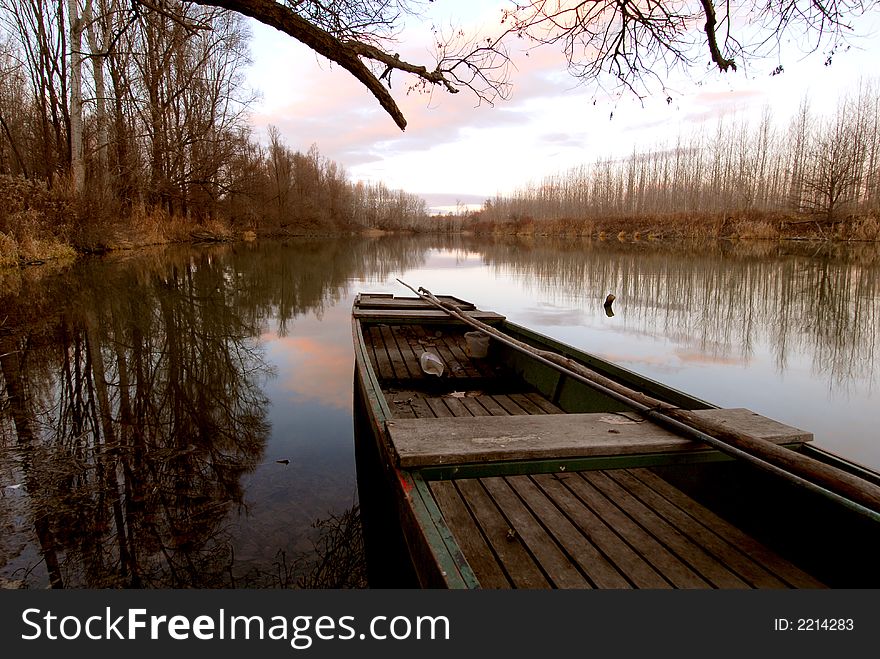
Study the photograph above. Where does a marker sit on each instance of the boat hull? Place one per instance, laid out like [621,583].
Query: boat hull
[503,506]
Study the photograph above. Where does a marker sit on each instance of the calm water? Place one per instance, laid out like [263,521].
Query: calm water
[183,417]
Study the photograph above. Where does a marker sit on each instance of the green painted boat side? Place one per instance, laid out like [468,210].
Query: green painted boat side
[425,529]
[604,367]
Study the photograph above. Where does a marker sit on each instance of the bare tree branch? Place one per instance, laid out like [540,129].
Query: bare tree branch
[322,42]
[712,39]
[187,25]
[624,38]
[351,53]
[637,42]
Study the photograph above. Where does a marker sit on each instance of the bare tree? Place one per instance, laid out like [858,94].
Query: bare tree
[832,182]
[38,28]
[13,84]
[820,167]
[77,168]
[637,42]
[99,38]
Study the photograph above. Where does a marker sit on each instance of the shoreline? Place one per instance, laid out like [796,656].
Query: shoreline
[656,231]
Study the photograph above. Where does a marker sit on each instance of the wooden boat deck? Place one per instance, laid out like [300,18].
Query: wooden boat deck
[469,387]
[395,352]
[598,528]
[621,528]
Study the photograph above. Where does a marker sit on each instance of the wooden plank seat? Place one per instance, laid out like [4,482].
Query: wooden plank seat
[387,301]
[433,316]
[448,439]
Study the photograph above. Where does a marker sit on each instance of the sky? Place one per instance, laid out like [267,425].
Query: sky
[455,151]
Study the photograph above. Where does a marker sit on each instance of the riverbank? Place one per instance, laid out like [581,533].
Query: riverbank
[749,226]
[33,242]
[42,221]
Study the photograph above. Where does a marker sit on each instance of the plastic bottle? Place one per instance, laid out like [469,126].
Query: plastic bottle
[431,363]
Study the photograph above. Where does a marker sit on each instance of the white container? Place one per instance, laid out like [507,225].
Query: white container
[477,344]
[431,363]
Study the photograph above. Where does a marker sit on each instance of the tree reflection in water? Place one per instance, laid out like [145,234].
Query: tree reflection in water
[722,299]
[133,405]
[338,560]
[136,410]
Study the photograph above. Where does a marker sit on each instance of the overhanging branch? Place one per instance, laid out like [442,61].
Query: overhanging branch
[322,42]
[711,21]
[480,66]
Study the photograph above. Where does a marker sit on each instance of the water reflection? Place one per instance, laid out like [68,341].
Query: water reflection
[136,414]
[135,411]
[338,560]
[183,418]
[722,300]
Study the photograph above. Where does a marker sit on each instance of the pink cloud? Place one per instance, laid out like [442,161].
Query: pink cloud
[691,357]
[335,111]
[320,371]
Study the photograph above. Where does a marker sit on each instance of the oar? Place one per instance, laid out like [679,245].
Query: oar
[855,493]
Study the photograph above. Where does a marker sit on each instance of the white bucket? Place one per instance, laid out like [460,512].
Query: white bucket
[477,344]
[431,363]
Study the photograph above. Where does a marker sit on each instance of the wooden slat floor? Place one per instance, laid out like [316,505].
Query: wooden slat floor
[622,528]
[395,350]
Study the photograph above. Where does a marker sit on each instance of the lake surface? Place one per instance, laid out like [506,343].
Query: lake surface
[183,417]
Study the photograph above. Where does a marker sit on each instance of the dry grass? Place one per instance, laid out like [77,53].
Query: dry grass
[27,246]
[146,227]
[688,227]
[51,249]
[151,227]
[8,251]
[755,230]
[214,229]
[867,228]
[34,222]
[30,235]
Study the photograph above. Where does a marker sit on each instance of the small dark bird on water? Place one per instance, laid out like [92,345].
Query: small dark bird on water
[283,462]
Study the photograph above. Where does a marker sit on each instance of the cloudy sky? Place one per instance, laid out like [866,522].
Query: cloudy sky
[455,151]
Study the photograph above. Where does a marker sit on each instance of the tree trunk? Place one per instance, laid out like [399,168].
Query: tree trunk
[77,168]
[102,132]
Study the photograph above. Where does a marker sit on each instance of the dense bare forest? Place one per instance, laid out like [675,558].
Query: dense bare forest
[819,174]
[120,125]
[125,122]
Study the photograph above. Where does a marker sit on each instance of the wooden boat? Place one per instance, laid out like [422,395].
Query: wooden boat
[511,471]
